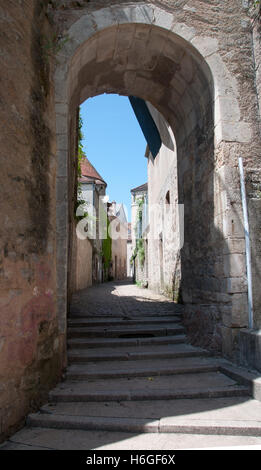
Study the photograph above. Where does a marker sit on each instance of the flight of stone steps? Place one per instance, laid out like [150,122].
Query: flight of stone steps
[138,374]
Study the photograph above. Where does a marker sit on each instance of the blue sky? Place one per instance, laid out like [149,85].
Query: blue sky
[115,145]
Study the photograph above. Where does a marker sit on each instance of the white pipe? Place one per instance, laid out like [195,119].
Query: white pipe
[247,240]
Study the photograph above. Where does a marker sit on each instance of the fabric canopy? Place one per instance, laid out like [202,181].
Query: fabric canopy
[147,124]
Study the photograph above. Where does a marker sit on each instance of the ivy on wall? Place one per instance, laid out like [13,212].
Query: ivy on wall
[106,248]
[139,250]
[80,157]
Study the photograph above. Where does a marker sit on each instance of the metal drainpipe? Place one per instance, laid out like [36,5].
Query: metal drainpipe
[247,240]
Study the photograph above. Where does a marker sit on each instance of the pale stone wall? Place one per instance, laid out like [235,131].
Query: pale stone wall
[139,231]
[129,255]
[119,252]
[163,233]
[83,264]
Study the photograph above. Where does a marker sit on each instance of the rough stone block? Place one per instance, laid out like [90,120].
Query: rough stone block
[102,19]
[205,45]
[163,19]
[187,69]
[226,109]
[185,31]
[61,123]
[133,14]
[250,348]
[61,190]
[230,337]
[236,314]
[233,225]
[225,82]
[233,131]
[236,285]
[62,166]
[234,265]
[234,245]
[106,53]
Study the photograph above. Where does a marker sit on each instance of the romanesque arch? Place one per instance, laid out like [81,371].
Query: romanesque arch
[142,50]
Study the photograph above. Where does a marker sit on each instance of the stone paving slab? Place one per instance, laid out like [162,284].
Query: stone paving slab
[127,331]
[135,353]
[225,408]
[149,388]
[57,439]
[129,424]
[141,368]
[127,320]
[123,342]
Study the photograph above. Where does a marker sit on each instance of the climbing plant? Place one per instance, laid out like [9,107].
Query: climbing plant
[106,248]
[139,248]
[80,157]
[255,8]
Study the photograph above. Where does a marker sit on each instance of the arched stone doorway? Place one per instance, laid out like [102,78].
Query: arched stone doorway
[141,51]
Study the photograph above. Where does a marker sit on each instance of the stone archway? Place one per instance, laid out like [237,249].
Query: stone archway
[142,51]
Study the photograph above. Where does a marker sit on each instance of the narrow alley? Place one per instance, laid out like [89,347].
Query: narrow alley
[134,382]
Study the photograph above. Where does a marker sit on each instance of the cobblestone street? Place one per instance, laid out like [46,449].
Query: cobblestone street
[120,298]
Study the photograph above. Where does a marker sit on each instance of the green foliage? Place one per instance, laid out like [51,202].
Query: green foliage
[106,248]
[254,9]
[52,45]
[139,249]
[80,156]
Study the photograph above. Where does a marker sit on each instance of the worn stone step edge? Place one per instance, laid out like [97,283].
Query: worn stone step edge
[118,332]
[73,374]
[121,342]
[216,392]
[137,315]
[83,356]
[236,428]
[243,376]
[79,322]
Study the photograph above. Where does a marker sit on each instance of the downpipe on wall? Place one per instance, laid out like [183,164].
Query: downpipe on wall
[247,241]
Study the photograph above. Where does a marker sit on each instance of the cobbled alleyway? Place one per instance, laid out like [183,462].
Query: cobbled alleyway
[134,382]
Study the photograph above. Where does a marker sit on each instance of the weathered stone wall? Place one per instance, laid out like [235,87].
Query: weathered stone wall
[195,65]
[118,269]
[164,234]
[185,57]
[83,264]
[31,346]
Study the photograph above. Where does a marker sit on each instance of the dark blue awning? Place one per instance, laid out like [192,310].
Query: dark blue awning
[147,124]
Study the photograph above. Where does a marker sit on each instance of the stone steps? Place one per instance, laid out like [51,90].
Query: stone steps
[142,352]
[122,321]
[140,425]
[129,331]
[138,374]
[142,368]
[124,342]
[189,385]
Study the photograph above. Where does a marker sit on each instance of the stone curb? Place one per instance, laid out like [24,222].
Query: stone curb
[141,425]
